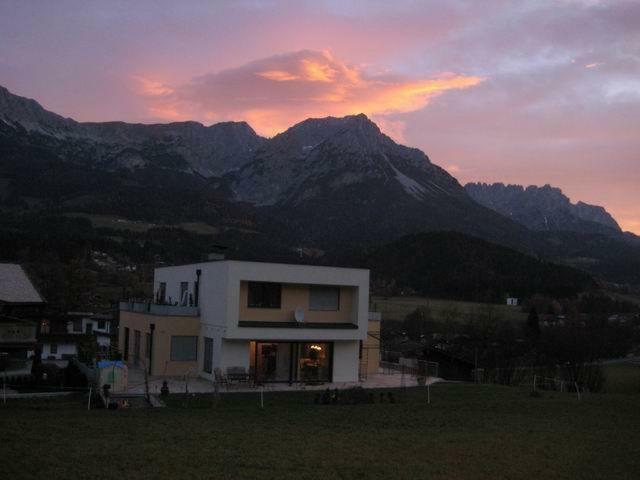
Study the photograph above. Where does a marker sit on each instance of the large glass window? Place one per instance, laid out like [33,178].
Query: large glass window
[291,361]
[314,362]
[184,348]
[264,295]
[324,298]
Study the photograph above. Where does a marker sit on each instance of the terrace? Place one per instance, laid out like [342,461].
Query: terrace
[161,309]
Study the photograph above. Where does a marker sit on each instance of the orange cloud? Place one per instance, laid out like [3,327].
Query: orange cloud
[151,87]
[274,93]
[278,76]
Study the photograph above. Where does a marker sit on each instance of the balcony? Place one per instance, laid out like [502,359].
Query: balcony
[150,308]
[17,333]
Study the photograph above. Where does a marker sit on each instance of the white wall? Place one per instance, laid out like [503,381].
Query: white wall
[85,321]
[63,349]
[235,353]
[345,361]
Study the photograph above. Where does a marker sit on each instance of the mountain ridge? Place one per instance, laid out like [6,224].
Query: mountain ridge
[543,208]
[329,186]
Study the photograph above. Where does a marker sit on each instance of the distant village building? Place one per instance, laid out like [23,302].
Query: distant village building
[21,309]
[61,340]
[512,301]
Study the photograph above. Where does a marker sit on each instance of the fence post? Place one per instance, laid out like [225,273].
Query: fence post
[4,388]
[534,383]
[262,396]
[89,401]
[578,390]
[428,394]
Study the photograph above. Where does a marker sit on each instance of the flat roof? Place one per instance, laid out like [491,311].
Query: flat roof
[15,285]
[306,265]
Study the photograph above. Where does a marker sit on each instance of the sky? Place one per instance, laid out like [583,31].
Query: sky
[526,92]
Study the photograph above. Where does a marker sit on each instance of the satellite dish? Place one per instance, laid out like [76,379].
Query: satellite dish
[298,314]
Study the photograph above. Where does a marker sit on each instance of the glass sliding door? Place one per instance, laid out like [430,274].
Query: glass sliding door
[314,362]
[291,361]
[272,361]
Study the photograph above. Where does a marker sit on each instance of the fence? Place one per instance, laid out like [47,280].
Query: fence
[577,377]
[416,368]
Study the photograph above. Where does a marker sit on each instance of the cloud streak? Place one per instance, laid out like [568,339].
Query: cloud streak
[274,93]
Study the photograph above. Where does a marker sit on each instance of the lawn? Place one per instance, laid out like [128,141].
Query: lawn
[397,308]
[468,432]
[118,223]
[622,378]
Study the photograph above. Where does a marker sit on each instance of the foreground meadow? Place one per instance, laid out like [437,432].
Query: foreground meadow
[467,432]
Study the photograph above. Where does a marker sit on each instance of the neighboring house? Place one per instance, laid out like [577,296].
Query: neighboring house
[58,348]
[99,325]
[512,301]
[60,340]
[21,309]
[283,323]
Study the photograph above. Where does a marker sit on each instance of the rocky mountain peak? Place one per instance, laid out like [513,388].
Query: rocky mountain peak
[544,208]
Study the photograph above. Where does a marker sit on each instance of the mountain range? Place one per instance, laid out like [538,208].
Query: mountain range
[322,189]
[543,208]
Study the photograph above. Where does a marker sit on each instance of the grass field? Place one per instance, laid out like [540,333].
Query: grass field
[119,223]
[468,432]
[622,378]
[399,307]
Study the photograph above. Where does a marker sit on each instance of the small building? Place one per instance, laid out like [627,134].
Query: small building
[100,325]
[58,348]
[277,322]
[512,301]
[21,310]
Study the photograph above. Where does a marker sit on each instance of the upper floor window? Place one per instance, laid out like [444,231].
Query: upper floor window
[324,298]
[264,295]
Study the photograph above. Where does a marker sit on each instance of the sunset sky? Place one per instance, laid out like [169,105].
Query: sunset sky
[527,92]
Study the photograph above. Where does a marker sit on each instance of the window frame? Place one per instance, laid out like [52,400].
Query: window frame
[207,358]
[172,355]
[324,287]
[263,295]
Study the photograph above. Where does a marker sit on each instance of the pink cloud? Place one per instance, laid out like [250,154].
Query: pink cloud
[274,93]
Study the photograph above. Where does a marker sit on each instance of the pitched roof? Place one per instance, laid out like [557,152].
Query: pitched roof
[15,286]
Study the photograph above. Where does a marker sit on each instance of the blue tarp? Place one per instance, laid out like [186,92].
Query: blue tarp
[111,363]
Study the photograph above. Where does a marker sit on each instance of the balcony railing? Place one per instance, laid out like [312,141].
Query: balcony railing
[17,333]
[159,309]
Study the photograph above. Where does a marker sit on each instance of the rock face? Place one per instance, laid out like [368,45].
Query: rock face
[342,181]
[319,157]
[334,180]
[189,146]
[543,208]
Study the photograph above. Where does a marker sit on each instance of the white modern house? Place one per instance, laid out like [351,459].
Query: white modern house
[278,322]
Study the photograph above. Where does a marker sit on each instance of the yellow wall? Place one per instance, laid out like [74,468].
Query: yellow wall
[294,296]
[371,347]
[166,326]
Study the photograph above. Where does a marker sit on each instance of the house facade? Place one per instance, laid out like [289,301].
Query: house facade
[282,323]
[21,310]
